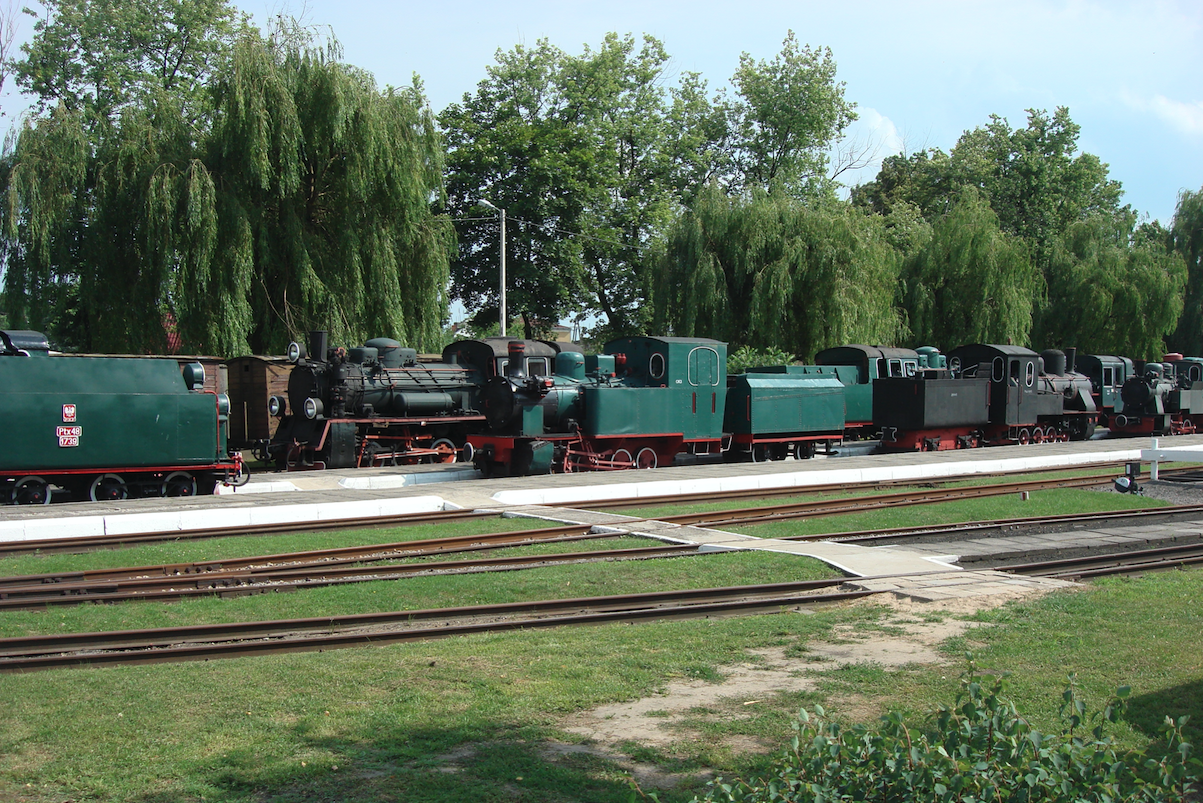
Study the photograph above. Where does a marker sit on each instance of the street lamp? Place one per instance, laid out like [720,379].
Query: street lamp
[501,214]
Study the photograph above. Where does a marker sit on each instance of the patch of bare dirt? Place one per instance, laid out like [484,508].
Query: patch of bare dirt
[916,630]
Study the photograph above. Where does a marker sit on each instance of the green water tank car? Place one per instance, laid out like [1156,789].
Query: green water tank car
[104,428]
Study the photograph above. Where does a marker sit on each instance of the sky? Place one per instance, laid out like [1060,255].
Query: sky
[921,73]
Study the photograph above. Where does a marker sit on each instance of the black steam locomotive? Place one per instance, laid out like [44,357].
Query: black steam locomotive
[370,406]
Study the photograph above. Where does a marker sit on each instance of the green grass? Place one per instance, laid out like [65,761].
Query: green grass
[1010,506]
[476,718]
[434,591]
[187,551]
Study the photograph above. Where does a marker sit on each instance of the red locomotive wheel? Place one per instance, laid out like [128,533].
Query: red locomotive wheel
[446,449]
[622,459]
[178,483]
[647,458]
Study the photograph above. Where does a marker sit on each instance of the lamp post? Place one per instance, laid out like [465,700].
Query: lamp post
[501,215]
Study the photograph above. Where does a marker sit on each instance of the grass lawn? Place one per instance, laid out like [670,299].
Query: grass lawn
[484,718]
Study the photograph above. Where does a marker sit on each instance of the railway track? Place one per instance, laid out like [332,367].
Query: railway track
[860,504]
[204,642]
[268,579]
[316,568]
[79,545]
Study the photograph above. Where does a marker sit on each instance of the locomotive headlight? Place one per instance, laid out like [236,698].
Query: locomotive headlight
[313,408]
[296,352]
[223,404]
[277,406]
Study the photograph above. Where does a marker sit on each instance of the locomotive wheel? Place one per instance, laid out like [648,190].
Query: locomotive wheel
[31,491]
[108,488]
[1037,435]
[760,453]
[778,451]
[622,459]
[1025,437]
[178,483]
[647,458]
[447,453]
[804,450]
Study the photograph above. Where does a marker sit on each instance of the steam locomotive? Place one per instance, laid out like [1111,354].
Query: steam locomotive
[990,395]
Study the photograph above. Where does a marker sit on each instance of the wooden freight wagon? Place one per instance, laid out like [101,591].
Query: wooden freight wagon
[252,381]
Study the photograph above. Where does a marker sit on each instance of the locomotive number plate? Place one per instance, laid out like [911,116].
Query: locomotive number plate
[69,436]
[68,413]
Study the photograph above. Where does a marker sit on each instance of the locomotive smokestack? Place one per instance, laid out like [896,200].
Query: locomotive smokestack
[317,345]
[1071,358]
[517,360]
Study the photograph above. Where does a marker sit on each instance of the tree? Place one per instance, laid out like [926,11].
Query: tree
[1034,179]
[1125,290]
[971,282]
[788,114]
[1186,239]
[518,143]
[101,56]
[299,197]
[773,271]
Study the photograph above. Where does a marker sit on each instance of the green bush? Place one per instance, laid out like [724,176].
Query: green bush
[746,357]
[979,750]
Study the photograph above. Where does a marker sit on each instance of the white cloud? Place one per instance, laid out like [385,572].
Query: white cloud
[1183,116]
[866,142]
[1186,116]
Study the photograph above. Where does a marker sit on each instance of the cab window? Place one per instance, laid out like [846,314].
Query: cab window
[536,366]
[656,366]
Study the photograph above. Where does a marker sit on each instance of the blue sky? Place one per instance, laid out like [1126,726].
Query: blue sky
[920,72]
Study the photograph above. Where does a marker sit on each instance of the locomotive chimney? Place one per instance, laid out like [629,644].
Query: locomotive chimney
[517,360]
[317,345]
[1071,358]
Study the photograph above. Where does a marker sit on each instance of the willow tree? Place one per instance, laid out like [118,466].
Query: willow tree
[971,282]
[1109,294]
[317,211]
[772,271]
[296,196]
[1187,240]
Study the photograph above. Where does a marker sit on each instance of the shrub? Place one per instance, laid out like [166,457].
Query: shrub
[746,357]
[980,750]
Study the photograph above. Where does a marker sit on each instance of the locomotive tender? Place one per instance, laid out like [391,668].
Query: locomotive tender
[104,428]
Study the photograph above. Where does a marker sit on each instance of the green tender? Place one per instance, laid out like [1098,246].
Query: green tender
[129,412]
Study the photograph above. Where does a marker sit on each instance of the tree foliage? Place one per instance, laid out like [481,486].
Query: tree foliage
[594,155]
[773,271]
[237,209]
[1125,295]
[971,282]
[787,115]
[102,56]
[1186,239]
